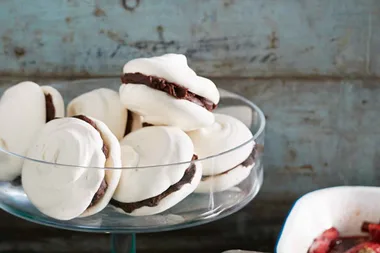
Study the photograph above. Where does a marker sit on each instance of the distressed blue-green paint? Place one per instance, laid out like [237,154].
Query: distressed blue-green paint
[319,133]
[221,38]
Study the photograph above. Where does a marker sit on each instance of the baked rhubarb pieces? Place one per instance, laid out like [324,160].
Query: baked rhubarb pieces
[330,241]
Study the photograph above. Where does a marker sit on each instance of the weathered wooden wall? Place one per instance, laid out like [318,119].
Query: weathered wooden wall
[220,37]
[318,62]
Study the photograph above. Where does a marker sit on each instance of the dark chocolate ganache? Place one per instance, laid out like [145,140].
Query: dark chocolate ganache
[50,109]
[154,201]
[145,124]
[103,186]
[247,162]
[100,193]
[173,89]
[128,126]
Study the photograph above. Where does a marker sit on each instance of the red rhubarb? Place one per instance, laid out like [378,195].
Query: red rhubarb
[373,229]
[324,242]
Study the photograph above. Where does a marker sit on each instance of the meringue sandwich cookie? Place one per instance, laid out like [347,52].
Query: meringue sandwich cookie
[229,169]
[24,110]
[227,179]
[152,190]
[104,105]
[64,191]
[166,91]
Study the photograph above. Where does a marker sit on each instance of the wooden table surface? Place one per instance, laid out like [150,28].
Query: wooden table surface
[254,228]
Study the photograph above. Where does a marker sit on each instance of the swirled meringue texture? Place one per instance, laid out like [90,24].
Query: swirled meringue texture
[63,192]
[225,134]
[225,180]
[104,105]
[242,113]
[159,108]
[149,146]
[23,114]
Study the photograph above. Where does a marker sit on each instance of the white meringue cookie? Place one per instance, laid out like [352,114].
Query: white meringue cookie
[224,170]
[225,134]
[150,146]
[225,180]
[112,176]
[159,108]
[154,146]
[63,192]
[172,199]
[129,158]
[23,114]
[104,105]
[174,68]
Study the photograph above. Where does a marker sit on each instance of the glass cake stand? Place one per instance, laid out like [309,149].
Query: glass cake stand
[196,209]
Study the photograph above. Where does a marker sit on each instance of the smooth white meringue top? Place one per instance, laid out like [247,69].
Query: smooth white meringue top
[174,68]
[102,104]
[225,134]
[59,191]
[158,108]
[155,145]
[20,106]
[23,114]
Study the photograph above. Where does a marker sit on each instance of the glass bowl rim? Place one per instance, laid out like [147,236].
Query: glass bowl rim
[245,100]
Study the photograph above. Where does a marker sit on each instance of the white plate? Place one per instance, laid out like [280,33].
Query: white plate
[344,207]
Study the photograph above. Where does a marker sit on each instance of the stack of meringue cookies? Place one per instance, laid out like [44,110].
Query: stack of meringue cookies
[162,115]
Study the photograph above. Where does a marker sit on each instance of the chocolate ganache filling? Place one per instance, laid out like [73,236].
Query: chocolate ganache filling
[173,89]
[128,126]
[145,124]
[246,163]
[103,186]
[50,109]
[154,201]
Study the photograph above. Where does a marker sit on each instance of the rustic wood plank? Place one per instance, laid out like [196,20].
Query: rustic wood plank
[253,228]
[221,38]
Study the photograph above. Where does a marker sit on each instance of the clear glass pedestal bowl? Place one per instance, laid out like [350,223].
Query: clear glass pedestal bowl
[196,209]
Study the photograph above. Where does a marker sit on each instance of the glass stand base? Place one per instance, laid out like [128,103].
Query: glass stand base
[123,243]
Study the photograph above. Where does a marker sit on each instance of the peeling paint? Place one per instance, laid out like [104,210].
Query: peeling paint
[98,12]
[273,41]
[292,155]
[19,52]
[228,3]
[115,37]
[306,50]
[245,38]
[68,38]
[271,57]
